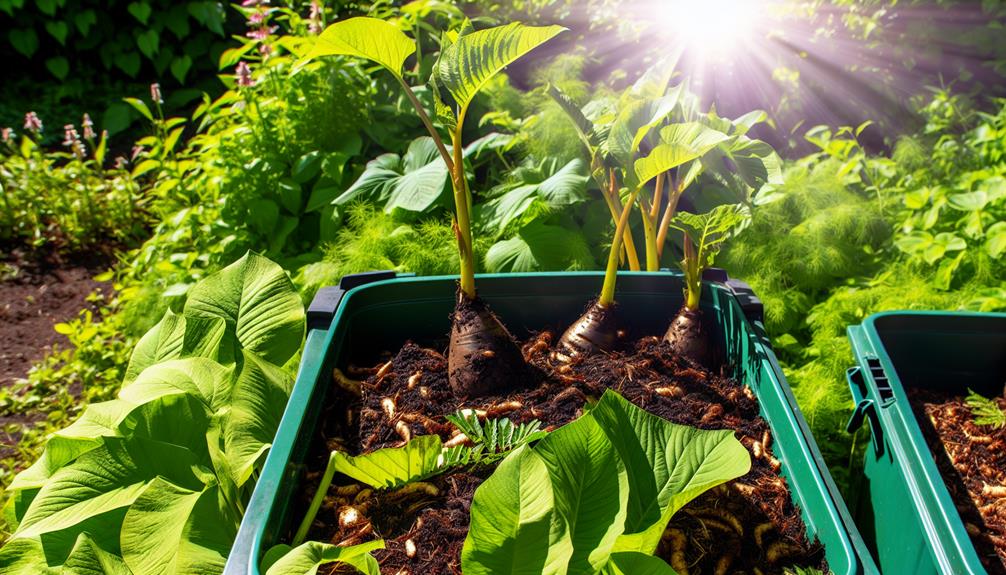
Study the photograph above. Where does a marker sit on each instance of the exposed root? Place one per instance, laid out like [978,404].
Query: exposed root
[348,385]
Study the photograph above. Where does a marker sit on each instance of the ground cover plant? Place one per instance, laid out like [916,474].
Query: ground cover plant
[158,478]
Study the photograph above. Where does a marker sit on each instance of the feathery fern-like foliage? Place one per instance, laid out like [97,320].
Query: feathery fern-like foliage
[491,440]
[986,411]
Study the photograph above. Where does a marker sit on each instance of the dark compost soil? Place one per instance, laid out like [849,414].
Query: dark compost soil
[749,525]
[972,461]
[35,294]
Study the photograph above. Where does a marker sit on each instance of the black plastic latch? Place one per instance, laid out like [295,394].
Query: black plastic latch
[325,303]
[752,305]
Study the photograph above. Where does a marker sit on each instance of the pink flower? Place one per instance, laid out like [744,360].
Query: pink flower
[6,134]
[137,150]
[155,93]
[315,19]
[88,127]
[261,33]
[264,49]
[70,135]
[121,163]
[32,123]
[244,75]
[256,18]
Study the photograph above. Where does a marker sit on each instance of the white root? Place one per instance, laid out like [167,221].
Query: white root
[414,379]
[766,439]
[993,490]
[774,463]
[346,384]
[349,516]
[424,392]
[388,405]
[383,371]
[671,391]
[458,439]
[403,431]
[410,548]
[756,449]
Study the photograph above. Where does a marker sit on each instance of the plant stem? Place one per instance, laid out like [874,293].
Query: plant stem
[693,276]
[429,125]
[658,196]
[462,206]
[665,222]
[649,233]
[316,501]
[611,272]
[615,206]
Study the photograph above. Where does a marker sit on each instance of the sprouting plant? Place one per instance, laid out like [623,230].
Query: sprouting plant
[704,236]
[986,411]
[468,60]
[492,440]
[681,143]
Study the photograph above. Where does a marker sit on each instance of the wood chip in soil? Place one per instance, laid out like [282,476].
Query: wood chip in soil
[750,523]
[972,461]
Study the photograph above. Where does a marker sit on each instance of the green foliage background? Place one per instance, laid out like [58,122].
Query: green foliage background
[895,215]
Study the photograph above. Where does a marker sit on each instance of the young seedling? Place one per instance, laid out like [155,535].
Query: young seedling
[619,158]
[484,358]
[704,234]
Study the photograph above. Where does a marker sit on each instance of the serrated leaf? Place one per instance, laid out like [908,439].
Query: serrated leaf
[465,66]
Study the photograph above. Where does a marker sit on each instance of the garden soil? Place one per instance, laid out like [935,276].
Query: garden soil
[36,293]
[972,461]
[749,525]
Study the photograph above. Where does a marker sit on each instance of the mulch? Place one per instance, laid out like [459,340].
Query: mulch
[972,461]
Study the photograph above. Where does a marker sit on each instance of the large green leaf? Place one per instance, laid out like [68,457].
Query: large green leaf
[668,465]
[590,488]
[307,558]
[257,300]
[679,143]
[98,420]
[393,466]
[25,557]
[88,558]
[174,530]
[615,476]
[539,246]
[202,378]
[416,182]
[102,480]
[369,38]
[465,66]
[258,400]
[515,526]
[177,336]
[634,121]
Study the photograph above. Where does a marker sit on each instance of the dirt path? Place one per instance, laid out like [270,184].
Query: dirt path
[35,296]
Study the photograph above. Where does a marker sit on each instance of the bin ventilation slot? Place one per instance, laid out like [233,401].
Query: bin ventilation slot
[880,378]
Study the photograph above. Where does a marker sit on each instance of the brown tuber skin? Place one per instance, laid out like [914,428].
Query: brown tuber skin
[484,358]
[688,338]
[596,330]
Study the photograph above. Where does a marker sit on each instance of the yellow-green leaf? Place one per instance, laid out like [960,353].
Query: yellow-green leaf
[368,38]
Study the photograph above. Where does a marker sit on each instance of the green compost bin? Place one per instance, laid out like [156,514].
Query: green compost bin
[369,313]
[903,508]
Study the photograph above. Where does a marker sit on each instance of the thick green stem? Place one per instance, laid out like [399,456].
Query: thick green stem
[316,501]
[665,221]
[693,276]
[462,207]
[611,272]
[615,206]
[650,233]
